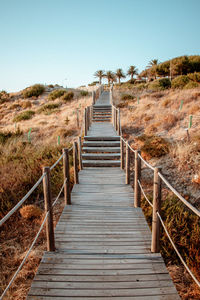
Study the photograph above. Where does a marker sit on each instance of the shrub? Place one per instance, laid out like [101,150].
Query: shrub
[169,121]
[4,96]
[194,76]
[48,108]
[56,94]
[191,85]
[153,146]
[68,96]
[127,97]
[84,93]
[26,104]
[166,102]
[5,136]
[30,211]
[160,84]
[93,83]
[14,106]
[26,115]
[51,86]
[180,81]
[34,91]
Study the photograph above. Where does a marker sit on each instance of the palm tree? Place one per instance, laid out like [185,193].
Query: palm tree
[110,76]
[100,74]
[153,62]
[119,73]
[153,67]
[132,71]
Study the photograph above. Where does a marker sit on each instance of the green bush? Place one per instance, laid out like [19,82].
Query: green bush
[180,81]
[26,115]
[56,94]
[34,91]
[47,108]
[68,96]
[93,83]
[84,93]
[125,97]
[4,96]
[160,84]
[194,76]
[191,85]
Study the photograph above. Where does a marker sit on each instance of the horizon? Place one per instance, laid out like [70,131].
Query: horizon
[64,43]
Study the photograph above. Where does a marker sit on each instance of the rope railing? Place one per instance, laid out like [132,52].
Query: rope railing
[145,194]
[15,208]
[26,256]
[190,206]
[177,252]
[157,190]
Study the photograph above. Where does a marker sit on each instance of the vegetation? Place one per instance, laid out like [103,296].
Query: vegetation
[125,97]
[153,146]
[84,93]
[34,91]
[99,74]
[132,71]
[160,84]
[119,74]
[30,211]
[4,96]
[7,136]
[110,77]
[26,115]
[68,96]
[48,108]
[56,94]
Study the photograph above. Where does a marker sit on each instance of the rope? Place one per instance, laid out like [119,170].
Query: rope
[51,168]
[145,194]
[195,210]
[26,256]
[127,144]
[59,193]
[13,210]
[146,163]
[178,253]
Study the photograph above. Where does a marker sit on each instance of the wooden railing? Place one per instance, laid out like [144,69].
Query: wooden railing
[158,180]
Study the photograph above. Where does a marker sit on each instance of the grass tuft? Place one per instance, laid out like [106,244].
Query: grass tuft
[26,115]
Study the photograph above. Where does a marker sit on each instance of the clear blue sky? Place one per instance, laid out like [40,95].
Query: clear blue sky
[65,42]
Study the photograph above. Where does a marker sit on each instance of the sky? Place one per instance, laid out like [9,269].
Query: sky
[65,41]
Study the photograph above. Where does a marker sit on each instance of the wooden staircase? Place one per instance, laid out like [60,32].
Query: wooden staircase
[102,113]
[101,151]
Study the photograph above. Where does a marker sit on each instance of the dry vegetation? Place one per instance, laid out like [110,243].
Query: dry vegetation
[157,127]
[21,162]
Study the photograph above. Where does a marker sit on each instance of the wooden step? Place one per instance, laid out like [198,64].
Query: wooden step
[102,156]
[101,144]
[101,117]
[101,163]
[102,138]
[101,149]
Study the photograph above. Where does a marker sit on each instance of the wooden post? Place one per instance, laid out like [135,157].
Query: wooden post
[85,121]
[157,188]
[137,191]
[93,97]
[67,194]
[127,163]
[122,153]
[111,97]
[115,119]
[75,160]
[80,154]
[118,127]
[77,117]
[48,208]
[88,118]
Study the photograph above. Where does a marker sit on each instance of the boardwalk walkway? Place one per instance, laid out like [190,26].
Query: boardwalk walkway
[102,242]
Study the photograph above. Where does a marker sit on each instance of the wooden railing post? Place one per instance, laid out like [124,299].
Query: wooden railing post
[75,160]
[118,127]
[157,189]
[137,191]
[80,154]
[85,121]
[48,208]
[111,97]
[122,153]
[67,194]
[127,163]
[115,119]
[88,118]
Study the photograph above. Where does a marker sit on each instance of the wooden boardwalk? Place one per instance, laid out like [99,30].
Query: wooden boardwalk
[102,243]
